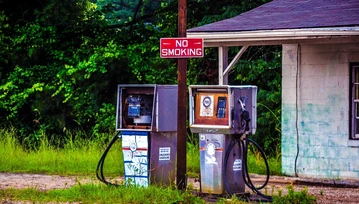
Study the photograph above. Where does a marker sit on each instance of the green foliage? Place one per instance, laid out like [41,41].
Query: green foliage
[80,156]
[95,193]
[261,66]
[125,11]
[256,164]
[294,197]
[98,193]
[4,42]
[61,61]
[193,158]
[77,157]
[57,69]
[207,13]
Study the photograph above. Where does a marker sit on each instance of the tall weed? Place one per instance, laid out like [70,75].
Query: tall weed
[80,156]
[193,157]
[76,157]
[95,193]
[294,197]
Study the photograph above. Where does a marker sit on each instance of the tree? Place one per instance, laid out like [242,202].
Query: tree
[261,66]
[55,78]
[61,61]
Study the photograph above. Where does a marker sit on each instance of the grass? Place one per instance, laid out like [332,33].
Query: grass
[294,196]
[257,165]
[95,193]
[76,158]
[80,157]
[193,165]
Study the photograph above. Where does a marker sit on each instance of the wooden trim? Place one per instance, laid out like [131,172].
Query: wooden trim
[278,37]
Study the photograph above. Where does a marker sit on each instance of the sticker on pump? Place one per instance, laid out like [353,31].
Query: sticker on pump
[211,149]
[206,106]
[164,153]
[237,165]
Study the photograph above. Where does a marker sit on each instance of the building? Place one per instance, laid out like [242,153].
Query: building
[320,78]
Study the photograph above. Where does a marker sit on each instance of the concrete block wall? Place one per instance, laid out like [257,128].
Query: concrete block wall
[315,111]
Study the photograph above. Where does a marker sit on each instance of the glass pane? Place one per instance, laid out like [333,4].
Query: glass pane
[356,91]
[356,80]
[355,102]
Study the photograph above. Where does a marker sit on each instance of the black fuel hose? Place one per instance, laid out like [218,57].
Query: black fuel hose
[99,170]
[243,148]
[265,161]
[247,178]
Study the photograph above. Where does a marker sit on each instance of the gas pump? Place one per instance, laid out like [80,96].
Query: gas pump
[145,122]
[223,116]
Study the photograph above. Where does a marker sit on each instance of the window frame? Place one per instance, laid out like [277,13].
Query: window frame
[354,103]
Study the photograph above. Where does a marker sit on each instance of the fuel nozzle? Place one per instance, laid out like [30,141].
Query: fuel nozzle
[243,100]
[245,114]
[246,118]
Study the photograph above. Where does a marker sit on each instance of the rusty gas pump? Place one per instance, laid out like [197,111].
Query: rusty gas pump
[223,116]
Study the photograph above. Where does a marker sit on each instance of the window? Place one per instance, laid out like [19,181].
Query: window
[354,106]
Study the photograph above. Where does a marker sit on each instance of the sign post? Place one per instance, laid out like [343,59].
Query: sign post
[182,93]
[181,48]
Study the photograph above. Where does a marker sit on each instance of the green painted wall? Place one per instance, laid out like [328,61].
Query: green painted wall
[315,111]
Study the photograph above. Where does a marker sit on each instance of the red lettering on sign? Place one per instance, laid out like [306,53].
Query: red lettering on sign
[181,47]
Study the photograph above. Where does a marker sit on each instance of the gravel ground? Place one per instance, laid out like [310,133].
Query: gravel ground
[327,191]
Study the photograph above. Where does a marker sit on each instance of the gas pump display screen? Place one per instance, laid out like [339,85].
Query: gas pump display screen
[134,106]
[211,108]
[221,110]
[134,111]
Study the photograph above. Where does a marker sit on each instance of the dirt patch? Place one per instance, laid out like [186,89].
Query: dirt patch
[39,181]
[327,191]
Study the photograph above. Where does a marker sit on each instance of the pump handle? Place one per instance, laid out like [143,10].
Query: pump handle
[246,118]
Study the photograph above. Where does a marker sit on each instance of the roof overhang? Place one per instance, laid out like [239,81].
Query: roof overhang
[278,37]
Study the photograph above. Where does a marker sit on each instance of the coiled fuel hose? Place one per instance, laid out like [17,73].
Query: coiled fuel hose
[243,143]
[99,170]
[243,148]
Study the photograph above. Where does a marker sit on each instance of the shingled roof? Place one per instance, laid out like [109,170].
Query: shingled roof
[290,14]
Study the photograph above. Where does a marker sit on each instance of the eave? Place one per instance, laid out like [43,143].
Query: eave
[278,37]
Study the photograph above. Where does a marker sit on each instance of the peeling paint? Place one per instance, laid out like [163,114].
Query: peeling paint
[323,147]
[323,112]
[291,55]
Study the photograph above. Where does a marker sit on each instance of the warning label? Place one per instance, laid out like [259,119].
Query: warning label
[237,165]
[165,153]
